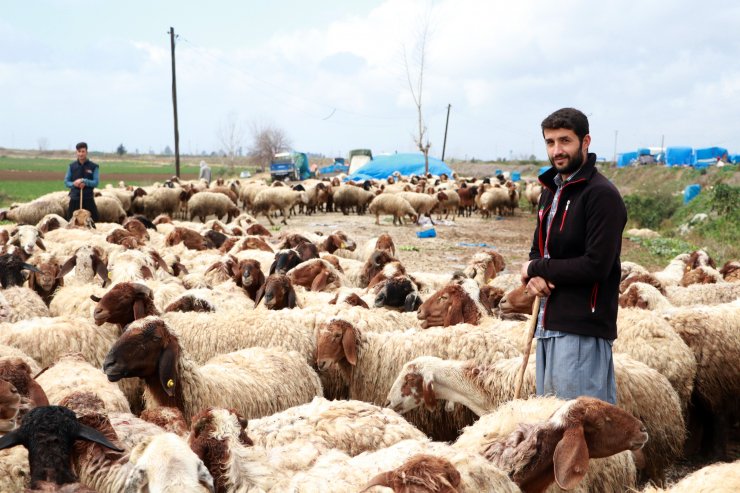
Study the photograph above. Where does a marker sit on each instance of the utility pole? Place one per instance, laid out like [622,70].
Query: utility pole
[174,103]
[616,132]
[444,143]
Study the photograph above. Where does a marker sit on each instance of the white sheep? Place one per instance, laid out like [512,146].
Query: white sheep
[350,426]
[33,212]
[424,203]
[346,196]
[709,479]
[72,373]
[256,381]
[277,198]
[20,303]
[204,204]
[671,275]
[110,210]
[392,204]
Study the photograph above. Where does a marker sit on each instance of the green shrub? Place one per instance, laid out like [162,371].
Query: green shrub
[665,248]
[649,211]
[725,199]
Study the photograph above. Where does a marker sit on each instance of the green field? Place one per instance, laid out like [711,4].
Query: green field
[124,167]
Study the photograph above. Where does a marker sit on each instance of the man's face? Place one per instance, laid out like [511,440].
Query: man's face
[564,149]
[82,155]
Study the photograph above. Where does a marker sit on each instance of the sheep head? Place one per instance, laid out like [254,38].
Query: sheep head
[11,270]
[277,292]
[337,344]
[10,401]
[518,300]
[451,305]
[414,386]
[149,350]
[420,473]
[124,303]
[397,292]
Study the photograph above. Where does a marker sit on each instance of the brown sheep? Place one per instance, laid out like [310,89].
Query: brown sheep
[352,299]
[124,303]
[47,280]
[258,230]
[278,293]
[644,278]
[137,228]
[18,373]
[454,304]
[10,403]
[518,300]
[251,277]
[246,243]
[731,271]
[191,239]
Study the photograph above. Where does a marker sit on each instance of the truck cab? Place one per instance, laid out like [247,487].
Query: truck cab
[289,166]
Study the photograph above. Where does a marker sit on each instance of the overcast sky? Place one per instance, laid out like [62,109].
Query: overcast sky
[331,73]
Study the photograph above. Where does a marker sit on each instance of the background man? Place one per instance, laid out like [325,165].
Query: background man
[574,265]
[82,177]
[205,172]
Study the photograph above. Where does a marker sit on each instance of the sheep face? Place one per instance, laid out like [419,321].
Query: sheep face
[45,280]
[81,218]
[517,300]
[337,343]
[27,238]
[284,261]
[450,305]
[251,274]
[398,292]
[11,270]
[277,292]
[148,350]
[258,230]
[124,303]
[410,390]
[10,401]
[17,372]
[314,276]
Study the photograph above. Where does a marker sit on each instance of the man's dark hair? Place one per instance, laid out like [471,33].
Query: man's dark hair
[569,118]
[81,145]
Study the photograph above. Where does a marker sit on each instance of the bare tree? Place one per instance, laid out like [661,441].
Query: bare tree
[267,141]
[416,87]
[231,136]
[43,143]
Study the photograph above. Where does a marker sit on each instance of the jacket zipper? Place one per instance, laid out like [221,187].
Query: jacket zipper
[565,213]
[543,213]
[594,293]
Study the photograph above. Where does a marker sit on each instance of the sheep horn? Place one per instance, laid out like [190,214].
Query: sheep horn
[87,433]
[12,439]
[30,267]
[142,289]
[382,479]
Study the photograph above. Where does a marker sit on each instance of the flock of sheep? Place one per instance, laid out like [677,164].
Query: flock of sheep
[147,352]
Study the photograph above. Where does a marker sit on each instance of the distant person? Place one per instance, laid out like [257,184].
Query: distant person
[205,172]
[82,177]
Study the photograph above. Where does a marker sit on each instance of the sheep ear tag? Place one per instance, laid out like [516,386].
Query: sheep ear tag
[167,362]
[570,459]
[93,435]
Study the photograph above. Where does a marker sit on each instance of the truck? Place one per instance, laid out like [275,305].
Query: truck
[359,158]
[289,166]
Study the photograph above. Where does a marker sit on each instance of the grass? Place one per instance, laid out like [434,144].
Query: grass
[117,167]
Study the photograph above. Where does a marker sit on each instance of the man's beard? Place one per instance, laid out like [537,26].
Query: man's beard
[574,163]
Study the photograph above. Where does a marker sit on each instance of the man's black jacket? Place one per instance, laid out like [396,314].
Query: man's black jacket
[584,245]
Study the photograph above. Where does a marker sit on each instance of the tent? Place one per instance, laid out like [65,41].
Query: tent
[708,156]
[382,167]
[677,156]
[627,158]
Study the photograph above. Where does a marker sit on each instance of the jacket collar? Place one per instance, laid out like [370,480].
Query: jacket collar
[587,171]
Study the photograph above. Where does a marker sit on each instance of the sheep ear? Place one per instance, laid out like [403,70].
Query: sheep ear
[12,439]
[146,272]
[100,269]
[96,299]
[570,459]
[430,399]
[259,295]
[37,394]
[32,281]
[40,244]
[168,369]
[30,267]
[319,282]
[67,267]
[350,346]
[454,314]
[139,309]
[91,434]
[412,302]
[291,298]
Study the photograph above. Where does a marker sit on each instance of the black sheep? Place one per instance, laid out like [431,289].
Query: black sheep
[11,268]
[48,433]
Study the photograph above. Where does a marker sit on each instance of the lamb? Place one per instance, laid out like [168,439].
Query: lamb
[10,352]
[537,453]
[397,292]
[370,361]
[48,433]
[363,253]
[282,199]
[33,212]
[172,379]
[204,204]
[19,303]
[392,204]
[71,373]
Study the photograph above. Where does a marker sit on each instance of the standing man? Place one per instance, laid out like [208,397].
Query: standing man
[82,177]
[574,265]
[205,173]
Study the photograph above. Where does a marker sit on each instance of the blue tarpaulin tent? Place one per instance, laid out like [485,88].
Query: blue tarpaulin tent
[625,159]
[382,167]
[708,155]
[677,156]
[543,169]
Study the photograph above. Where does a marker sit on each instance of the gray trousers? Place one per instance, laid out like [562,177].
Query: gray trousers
[572,365]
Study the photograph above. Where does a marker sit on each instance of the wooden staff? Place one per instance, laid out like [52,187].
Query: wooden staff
[527,346]
[82,187]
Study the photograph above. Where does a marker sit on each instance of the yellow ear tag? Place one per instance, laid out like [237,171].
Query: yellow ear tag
[110,275]
[343,245]
[170,383]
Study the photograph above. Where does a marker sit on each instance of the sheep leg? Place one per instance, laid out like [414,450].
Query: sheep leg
[429,215]
[267,215]
[284,221]
[377,219]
